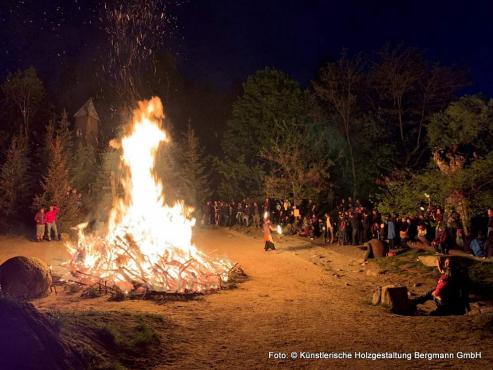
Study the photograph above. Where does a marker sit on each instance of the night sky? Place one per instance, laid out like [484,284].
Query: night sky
[221,42]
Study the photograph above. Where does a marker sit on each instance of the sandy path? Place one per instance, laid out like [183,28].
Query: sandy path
[289,304]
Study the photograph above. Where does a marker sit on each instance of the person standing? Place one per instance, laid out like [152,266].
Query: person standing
[51,222]
[267,228]
[488,245]
[329,229]
[355,227]
[366,221]
[391,231]
[246,214]
[490,221]
[256,215]
[341,229]
[40,219]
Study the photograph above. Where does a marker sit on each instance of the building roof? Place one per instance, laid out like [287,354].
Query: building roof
[88,109]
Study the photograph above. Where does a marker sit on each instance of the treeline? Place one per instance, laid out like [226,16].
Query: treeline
[387,127]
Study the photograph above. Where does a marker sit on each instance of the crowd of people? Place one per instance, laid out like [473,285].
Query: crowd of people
[350,222]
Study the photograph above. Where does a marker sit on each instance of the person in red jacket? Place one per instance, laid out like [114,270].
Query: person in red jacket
[451,294]
[50,219]
[40,219]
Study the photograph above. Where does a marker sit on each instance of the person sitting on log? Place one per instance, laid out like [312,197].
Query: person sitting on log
[422,233]
[404,233]
[451,294]
[441,243]
[477,245]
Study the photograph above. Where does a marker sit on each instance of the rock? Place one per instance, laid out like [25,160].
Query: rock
[29,340]
[396,299]
[377,296]
[25,278]
[429,261]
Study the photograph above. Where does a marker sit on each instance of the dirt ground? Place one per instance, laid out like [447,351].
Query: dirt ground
[299,298]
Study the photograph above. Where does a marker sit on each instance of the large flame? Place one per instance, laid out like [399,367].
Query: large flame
[147,243]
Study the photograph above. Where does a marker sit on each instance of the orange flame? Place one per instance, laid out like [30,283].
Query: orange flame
[148,243]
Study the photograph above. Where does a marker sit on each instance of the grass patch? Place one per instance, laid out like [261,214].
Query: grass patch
[480,273]
[406,263]
[144,336]
[112,340]
[134,340]
[481,278]
[57,318]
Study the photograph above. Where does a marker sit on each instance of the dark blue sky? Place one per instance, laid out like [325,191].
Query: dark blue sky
[227,40]
[220,42]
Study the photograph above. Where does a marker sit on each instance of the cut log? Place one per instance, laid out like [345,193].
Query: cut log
[396,299]
[430,261]
[452,252]
[377,296]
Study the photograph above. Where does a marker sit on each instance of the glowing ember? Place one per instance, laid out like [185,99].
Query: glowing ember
[147,244]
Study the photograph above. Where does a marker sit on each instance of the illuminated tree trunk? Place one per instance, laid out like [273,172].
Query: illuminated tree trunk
[450,162]
[458,201]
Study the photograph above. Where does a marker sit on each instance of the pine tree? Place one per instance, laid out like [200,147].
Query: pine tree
[195,179]
[57,189]
[15,181]
[168,169]
[105,184]
[65,134]
[84,170]
[44,153]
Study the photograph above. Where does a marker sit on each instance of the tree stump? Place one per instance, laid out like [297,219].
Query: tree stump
[396,299]
[377,297]
[25,278]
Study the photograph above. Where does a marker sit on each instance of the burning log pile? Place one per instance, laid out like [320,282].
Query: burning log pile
[92,286]
[147,247]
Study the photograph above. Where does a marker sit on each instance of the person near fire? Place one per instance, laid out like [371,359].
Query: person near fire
[267,228]
[451,294]
[40,219]
[50,219]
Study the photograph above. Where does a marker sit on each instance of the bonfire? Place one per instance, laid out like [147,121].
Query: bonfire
[147,243]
